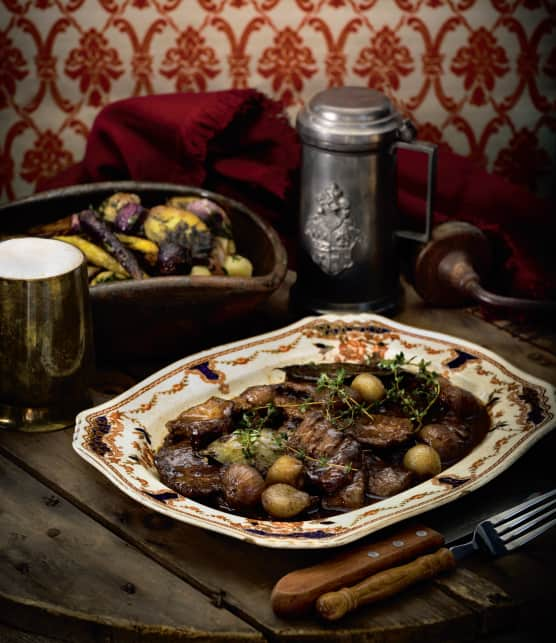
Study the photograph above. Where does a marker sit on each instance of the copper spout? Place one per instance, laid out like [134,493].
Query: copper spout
[449,268]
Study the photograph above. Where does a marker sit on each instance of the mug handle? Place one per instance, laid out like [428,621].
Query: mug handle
[430,150]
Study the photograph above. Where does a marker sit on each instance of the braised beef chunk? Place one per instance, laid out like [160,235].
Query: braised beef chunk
[289,396]
[201,424]
[461,403]
[292,396]
[382,431]
[352,496]
[289,425]
[316,436]
[253,397]
[187,473]
[292,392]
[470,412]
[331,454]
[386,479]
[460,421]
[337,471]
[452,439]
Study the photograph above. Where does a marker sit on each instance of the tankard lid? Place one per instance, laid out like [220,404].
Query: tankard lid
[348,118]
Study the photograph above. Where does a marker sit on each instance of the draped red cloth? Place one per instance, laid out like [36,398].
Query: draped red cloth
[239,143]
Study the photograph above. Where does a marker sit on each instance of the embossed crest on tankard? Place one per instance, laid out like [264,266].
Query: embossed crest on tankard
[348,229]
[331,232]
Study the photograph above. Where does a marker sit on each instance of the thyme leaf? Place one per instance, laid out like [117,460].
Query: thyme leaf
[415,396]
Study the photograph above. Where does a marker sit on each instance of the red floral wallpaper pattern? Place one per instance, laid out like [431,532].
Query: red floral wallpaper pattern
[476,75]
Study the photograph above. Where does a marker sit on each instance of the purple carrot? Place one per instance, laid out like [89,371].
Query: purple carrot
[97,228]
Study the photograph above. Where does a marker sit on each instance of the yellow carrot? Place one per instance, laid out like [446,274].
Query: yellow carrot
[139,244]
[95,254]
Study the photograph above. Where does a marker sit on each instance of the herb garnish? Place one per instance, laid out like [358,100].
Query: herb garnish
[251,425]
[339,395]
[414,397]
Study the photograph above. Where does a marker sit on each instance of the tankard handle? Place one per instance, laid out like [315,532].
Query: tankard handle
[430,150]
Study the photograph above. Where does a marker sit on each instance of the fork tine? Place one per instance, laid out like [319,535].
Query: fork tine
[526,519]
[524,506]
[514,544]
[523,528]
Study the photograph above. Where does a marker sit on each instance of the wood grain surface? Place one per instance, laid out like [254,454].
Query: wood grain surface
[55,555]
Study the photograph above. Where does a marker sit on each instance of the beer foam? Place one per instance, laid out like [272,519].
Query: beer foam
[37,258]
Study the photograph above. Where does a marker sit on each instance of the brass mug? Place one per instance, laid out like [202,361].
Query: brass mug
[46,340]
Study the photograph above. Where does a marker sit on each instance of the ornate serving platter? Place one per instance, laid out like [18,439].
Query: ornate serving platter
[120,437]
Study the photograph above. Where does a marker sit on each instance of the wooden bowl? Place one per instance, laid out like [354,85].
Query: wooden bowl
[169,315]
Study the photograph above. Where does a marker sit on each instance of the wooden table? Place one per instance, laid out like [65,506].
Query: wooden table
[80,561]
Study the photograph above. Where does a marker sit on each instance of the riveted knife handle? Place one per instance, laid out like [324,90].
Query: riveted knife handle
[296,592]
[334,605]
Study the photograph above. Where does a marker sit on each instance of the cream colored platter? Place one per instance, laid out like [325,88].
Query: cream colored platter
[120,437]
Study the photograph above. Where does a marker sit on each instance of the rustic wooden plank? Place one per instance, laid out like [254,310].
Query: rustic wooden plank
[239,574]
[55,559]
[527,574]
[495,606]
[11,635]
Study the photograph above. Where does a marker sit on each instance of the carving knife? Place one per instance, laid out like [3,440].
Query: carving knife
[379,563]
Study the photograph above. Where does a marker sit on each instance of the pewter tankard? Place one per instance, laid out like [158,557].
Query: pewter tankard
[348,220]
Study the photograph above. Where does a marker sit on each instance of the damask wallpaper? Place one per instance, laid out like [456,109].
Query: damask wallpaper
[476,75]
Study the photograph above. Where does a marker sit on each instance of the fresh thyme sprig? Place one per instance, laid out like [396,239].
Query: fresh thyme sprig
[248,438]
[250,427]
[338,394]
[334,385]
[415,401]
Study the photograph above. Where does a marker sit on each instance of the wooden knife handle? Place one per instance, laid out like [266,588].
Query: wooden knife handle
[334,605]
[296,592]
